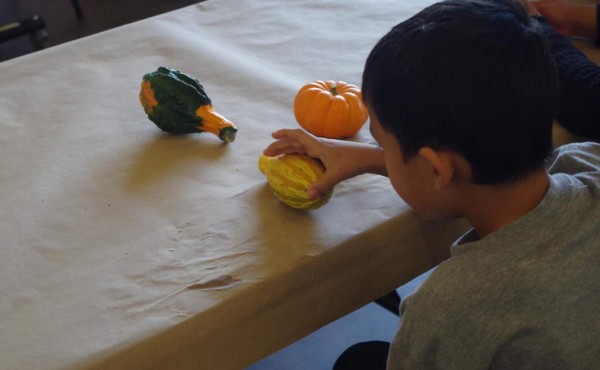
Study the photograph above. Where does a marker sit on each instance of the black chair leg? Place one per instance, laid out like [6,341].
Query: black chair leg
[77,7]
[390,302]
[34,26]
[39,39]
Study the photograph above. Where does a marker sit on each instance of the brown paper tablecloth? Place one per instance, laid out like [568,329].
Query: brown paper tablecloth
[126,248]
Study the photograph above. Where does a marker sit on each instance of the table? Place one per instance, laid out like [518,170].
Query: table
[126,248]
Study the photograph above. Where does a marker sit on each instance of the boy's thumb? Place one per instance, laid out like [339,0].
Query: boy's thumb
[320,187]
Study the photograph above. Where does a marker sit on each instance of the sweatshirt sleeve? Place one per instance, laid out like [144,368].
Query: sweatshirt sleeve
[579,80]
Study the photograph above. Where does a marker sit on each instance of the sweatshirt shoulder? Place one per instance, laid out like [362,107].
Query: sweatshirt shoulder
[576,159]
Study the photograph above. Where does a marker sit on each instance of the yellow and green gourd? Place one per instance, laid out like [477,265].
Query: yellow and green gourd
[289,177]
[178,104]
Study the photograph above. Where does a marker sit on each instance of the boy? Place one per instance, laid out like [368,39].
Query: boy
[461,99]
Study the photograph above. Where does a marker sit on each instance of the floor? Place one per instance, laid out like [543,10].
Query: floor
[319,350]
[315,352]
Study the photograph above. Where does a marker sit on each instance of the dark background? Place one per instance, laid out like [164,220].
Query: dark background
[62,24]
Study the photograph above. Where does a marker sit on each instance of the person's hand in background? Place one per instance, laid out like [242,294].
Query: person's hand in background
[567,17]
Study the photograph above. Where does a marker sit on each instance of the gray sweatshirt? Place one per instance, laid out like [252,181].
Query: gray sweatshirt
[526,296]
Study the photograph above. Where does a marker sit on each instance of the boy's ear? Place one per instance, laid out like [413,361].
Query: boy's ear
[441,165]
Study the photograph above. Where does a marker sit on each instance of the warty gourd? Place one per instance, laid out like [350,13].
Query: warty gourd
[289,177]
[178,104]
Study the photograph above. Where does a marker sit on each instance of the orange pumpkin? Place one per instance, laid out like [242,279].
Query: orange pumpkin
[330,109]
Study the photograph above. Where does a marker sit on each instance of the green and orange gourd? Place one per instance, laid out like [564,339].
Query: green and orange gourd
[178,104]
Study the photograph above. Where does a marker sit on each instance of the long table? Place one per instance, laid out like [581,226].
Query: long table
[127,248]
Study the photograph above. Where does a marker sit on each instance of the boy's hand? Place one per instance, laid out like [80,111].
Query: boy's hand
[342,159]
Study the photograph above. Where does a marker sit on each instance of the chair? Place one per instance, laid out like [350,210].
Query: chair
[34,27]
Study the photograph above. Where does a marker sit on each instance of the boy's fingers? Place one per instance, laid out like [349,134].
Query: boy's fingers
[299,135]
[278,134]
[284,146]
[287,150]
[287,133]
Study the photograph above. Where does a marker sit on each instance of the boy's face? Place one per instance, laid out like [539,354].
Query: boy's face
[411,179]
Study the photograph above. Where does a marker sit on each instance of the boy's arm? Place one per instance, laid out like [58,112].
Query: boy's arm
[342,159]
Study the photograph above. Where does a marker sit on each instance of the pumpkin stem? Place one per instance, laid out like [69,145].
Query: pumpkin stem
[333,89]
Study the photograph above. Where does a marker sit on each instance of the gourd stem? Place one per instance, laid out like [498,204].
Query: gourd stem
[215,123]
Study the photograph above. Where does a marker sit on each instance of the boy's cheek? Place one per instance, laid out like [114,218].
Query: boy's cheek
[420,200]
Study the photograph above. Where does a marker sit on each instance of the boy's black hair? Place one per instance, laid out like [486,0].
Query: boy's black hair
[471,76]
